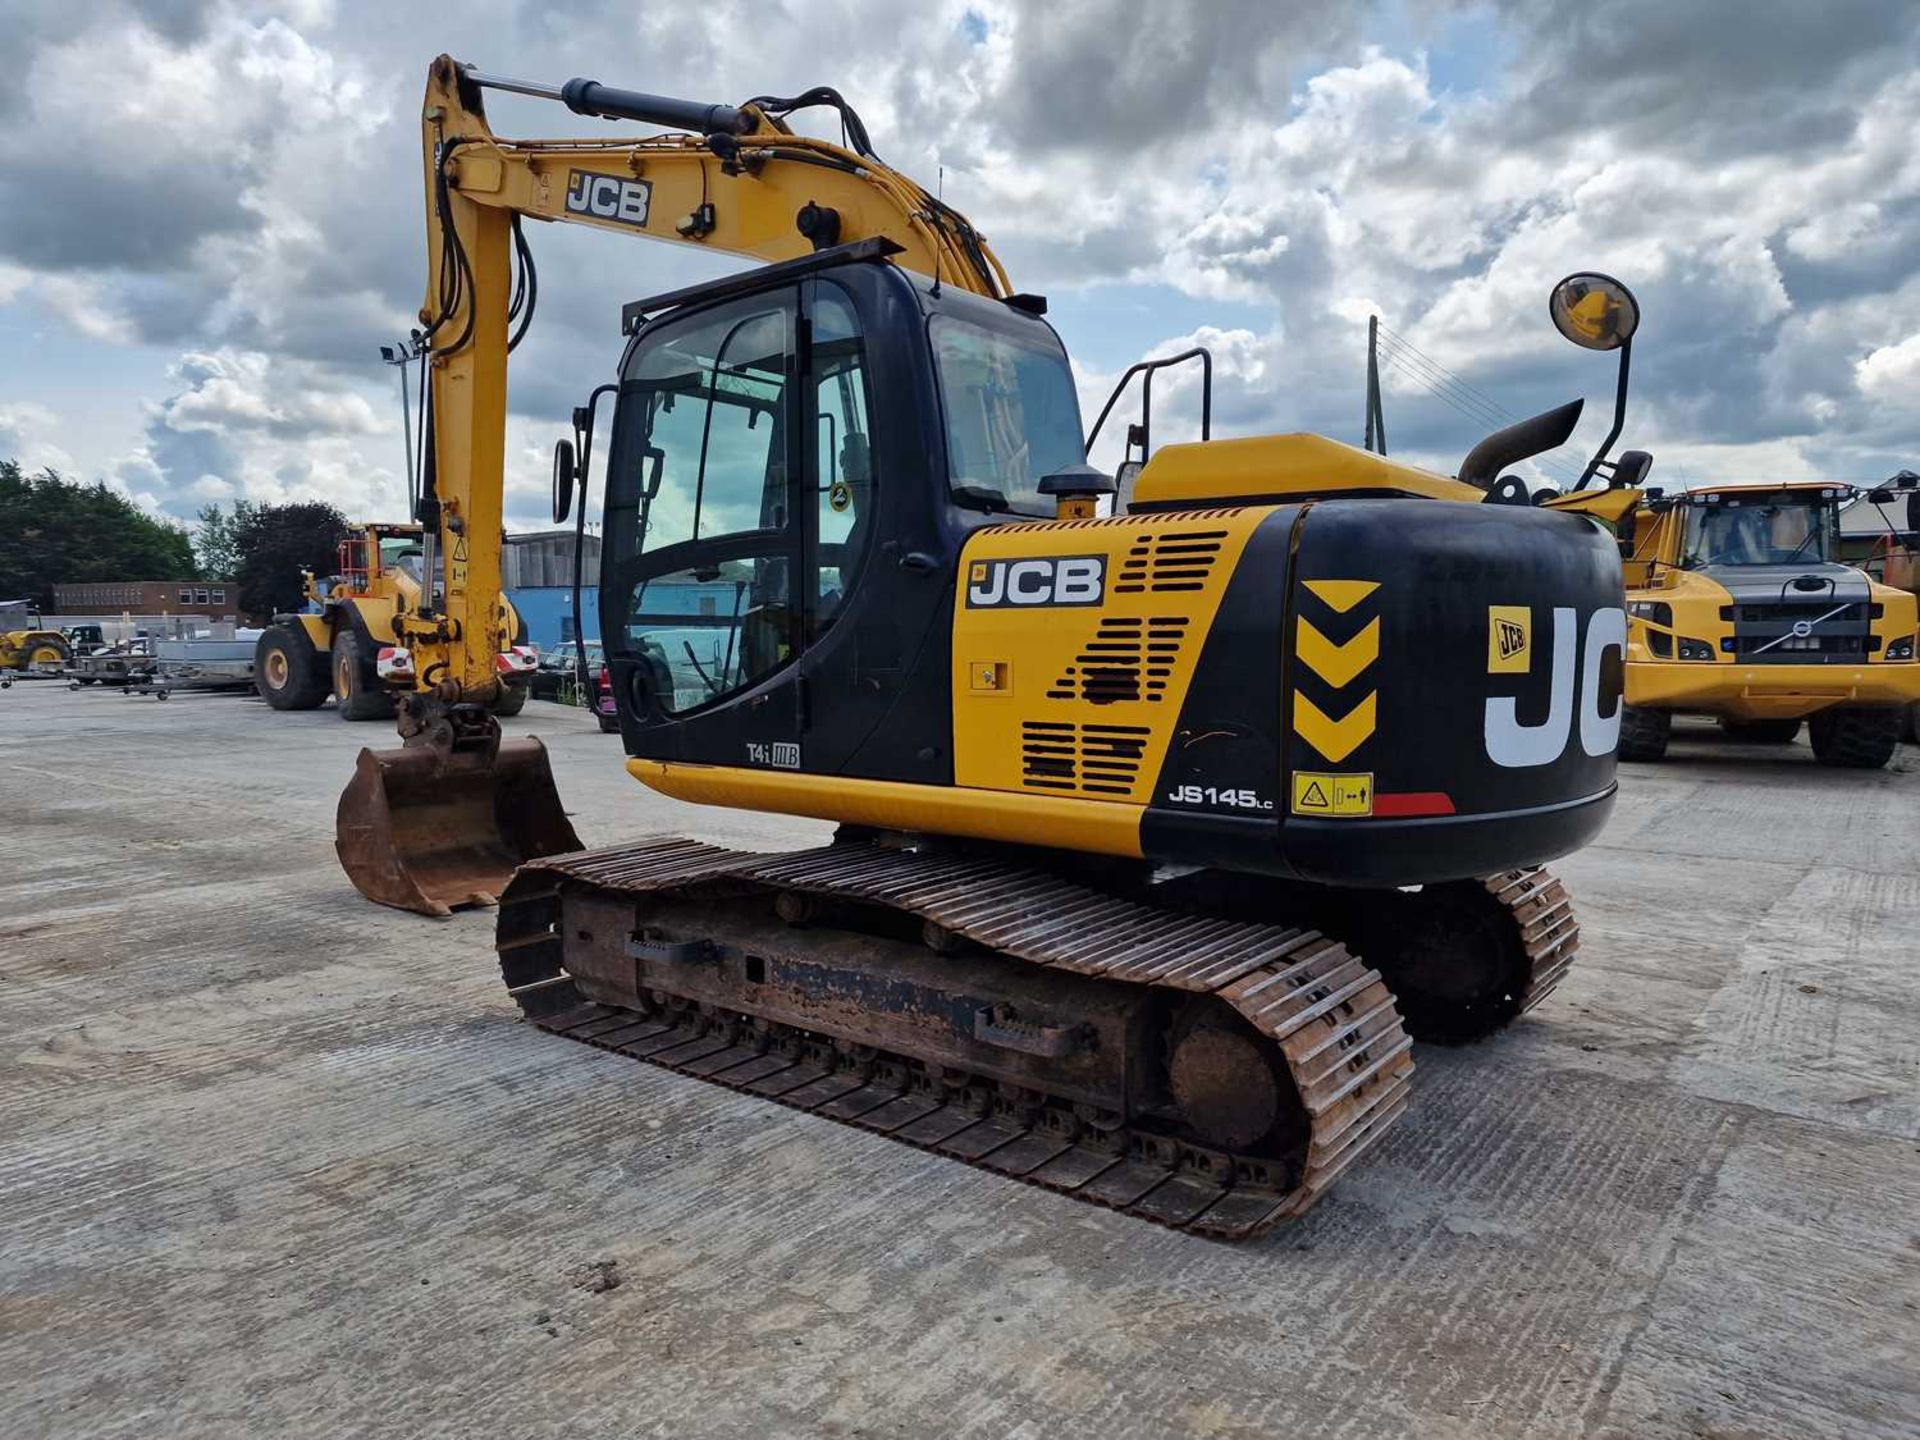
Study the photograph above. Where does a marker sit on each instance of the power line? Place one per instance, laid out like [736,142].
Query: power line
[1447,387]
[1484,398]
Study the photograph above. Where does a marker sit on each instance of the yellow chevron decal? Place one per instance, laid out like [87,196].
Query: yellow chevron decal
[1337,664]
[1342,595]
[1335,739]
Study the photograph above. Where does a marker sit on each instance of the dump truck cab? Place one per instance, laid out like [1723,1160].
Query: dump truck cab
[1739,609]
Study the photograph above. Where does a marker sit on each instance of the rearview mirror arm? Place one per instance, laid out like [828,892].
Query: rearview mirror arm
[583,417]
[1619,418]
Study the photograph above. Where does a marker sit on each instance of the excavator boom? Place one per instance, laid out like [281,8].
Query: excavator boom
[443,821]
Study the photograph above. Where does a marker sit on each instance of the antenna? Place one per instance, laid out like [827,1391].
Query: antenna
[939,200]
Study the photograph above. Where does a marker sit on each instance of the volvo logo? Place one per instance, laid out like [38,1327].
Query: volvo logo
[1802,628]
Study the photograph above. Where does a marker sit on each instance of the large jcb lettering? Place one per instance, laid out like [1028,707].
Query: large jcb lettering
[1607,630]
[1577,682]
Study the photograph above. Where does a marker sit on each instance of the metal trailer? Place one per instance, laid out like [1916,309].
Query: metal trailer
[115,665]
[197,665]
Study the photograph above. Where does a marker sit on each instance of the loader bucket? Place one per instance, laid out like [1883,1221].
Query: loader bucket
[421,830]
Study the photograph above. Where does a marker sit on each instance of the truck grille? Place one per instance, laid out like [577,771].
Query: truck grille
[1798,633]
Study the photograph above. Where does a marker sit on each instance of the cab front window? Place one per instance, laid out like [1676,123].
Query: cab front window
[1012,416]
[1779,529]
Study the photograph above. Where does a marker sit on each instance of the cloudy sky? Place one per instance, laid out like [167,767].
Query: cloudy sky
[210,212]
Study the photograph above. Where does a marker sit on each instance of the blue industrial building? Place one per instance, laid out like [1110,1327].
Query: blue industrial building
[537,572]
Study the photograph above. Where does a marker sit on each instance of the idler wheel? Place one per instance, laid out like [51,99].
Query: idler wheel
[1224,1079]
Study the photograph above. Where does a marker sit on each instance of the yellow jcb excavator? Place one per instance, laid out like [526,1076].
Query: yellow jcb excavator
[1123,798]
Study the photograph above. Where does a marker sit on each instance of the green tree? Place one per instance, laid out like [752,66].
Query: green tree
[55,531]
[213,539]
[273,543]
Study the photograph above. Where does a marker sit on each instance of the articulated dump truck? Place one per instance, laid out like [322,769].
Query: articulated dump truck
[1739,610]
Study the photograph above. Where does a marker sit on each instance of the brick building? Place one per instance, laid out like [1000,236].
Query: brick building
[210,599]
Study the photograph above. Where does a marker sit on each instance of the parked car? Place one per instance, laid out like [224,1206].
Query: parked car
[555,670]
[603,705]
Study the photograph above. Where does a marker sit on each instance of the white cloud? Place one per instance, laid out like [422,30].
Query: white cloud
[1891,374]
[249,202]
[27,434]
[85,305]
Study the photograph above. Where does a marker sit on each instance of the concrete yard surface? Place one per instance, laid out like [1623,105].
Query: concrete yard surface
[277,1162]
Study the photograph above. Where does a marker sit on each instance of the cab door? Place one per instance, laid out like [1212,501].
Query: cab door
[700,607]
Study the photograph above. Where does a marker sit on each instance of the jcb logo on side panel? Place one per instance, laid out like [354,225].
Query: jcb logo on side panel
[608,197]
[1509,639]
[1053,580]
[1577,681]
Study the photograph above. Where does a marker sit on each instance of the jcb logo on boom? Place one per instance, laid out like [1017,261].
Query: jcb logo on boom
[608,197]
[1051,580]
[1575,686]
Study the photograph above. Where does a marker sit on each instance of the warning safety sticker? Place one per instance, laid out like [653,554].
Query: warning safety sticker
[1320,793]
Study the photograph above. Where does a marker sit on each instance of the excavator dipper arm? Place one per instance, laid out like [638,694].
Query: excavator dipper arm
[444,820]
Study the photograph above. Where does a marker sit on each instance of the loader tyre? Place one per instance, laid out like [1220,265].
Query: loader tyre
[1760,732]
[287,669]
[513,699]
[1644,733]
[1855,737]
[359,692]
[47,652]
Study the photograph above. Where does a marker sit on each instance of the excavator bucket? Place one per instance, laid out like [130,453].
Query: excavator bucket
[424,830]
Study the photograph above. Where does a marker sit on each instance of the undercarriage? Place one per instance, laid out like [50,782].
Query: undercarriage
[1208,1069]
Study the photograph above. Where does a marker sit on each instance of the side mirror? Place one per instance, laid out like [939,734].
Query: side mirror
[1597,312]
[1123,482]
[1594,311]
[564,467]
[1630,470]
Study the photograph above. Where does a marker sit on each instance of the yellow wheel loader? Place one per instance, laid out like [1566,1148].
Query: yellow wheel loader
[41,652]
[344,641]
[1170,806]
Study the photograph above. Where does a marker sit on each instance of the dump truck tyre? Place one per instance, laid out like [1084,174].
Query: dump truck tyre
[1855,737]
[355,687]
[513,699]
[287,670]
[1644,733]
[1761,732]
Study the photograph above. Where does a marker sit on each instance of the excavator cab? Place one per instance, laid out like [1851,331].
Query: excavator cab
[797,457]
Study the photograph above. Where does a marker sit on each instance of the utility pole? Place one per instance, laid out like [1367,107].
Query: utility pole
[1376,440]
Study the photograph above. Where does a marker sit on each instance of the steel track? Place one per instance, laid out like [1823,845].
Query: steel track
[1331,1019]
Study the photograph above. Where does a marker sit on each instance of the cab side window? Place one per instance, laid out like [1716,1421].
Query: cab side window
[842,454]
